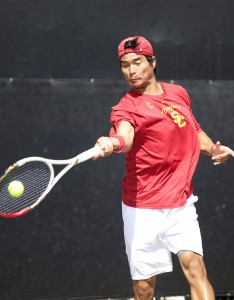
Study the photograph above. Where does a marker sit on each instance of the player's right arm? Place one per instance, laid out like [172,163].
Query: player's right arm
[124,136]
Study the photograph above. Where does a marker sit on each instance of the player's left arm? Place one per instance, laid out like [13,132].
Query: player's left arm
[218,152]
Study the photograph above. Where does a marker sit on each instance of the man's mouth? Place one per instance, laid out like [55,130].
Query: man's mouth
[132,80]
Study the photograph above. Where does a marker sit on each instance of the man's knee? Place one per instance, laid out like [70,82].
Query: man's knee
[193,266]
[144,289]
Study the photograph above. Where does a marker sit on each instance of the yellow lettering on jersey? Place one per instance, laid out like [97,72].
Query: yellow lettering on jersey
[149,105]
[178,119]
[169,108]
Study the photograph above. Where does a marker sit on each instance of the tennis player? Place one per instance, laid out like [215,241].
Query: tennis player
[154,125]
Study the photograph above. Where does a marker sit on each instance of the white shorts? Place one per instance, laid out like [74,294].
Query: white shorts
[152,234]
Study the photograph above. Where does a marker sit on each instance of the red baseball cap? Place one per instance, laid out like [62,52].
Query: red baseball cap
[143,47]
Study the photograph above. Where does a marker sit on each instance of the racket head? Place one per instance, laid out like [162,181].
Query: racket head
[36,175]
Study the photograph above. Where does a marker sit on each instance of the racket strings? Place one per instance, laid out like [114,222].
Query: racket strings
[35,176]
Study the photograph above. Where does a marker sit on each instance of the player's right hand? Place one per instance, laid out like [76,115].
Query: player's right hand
[106,146]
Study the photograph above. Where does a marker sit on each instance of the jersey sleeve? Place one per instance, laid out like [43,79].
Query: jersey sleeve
[117,116]
[126,110]
[187,99]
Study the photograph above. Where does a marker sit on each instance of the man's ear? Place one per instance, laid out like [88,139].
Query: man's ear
[154,62]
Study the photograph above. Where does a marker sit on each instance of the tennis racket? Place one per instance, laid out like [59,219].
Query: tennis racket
[38,178]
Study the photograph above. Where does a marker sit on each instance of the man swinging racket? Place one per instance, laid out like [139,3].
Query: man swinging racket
[154,125]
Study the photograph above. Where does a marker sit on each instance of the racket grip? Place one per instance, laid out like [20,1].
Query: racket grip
[88,154]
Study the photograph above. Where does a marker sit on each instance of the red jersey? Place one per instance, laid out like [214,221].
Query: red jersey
[165,150]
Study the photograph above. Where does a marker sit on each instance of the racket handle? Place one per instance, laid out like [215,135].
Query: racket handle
[88,154]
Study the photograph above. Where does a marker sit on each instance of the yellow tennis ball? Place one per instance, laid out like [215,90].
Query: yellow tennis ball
[16,188]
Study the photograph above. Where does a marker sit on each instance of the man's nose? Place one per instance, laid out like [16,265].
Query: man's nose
[132,69]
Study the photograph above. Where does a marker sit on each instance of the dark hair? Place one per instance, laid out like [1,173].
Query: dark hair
[133,44]
[150,60]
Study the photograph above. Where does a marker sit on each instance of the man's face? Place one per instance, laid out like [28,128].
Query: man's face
[138,72]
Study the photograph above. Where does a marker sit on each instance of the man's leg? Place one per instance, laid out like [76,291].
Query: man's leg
[144,289]
[195,272]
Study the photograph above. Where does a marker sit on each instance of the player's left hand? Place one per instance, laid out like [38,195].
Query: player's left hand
[221,153]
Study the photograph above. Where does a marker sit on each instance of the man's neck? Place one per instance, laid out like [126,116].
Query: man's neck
[152,89]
